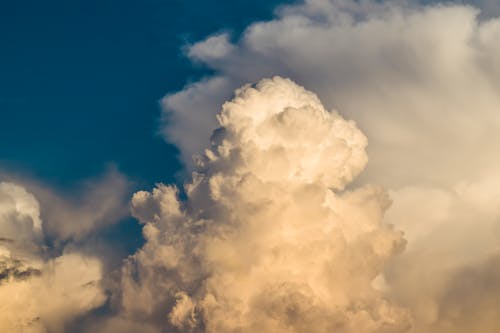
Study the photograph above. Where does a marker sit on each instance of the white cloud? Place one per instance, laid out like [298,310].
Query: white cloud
[61,289]
[184,124]
[39,294]
[19,213]
[211,49]
[423,83]
[262,242]
[419,82]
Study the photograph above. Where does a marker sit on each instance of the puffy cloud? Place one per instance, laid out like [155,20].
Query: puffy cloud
[400,71]
[39,293]
[212,48]
[19,213]
[422,82]
[61,289]
[20,232]
[268,239]
[91,217]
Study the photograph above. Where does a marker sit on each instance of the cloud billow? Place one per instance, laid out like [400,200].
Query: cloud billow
[268,239]
[422,83]
[278,228]
[40,293]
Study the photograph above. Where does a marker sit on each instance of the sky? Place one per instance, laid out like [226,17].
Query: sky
[81,83]
[242,166]
[82,79]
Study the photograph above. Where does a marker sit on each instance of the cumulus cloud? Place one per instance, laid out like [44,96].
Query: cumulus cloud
[422,82]
[400,71]
[268,238]
[20,214]
[39,293]
[278,230]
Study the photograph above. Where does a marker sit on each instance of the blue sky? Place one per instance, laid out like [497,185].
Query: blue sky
[81,80]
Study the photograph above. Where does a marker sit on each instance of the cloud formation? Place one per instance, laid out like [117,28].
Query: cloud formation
[278,229]
[95,204]
[422,82]
[39,293]
[268,238]
[401,71]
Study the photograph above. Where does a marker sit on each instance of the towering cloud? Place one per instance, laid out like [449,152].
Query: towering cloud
[39,293]
[267,239]
[422,82]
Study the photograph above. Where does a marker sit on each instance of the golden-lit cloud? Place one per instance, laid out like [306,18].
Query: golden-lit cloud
[423,84]
[279,227]
[39,293]
[268,238]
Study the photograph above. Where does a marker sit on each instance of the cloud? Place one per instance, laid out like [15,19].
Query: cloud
[278,229]
[211,49]
[469,300]
[98,203]
[73,214]
[400,71]
[62,289]
[268,238]
[489,8]
[452,238]
[184,124]
[39,293]
[422,83]
[19,211]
